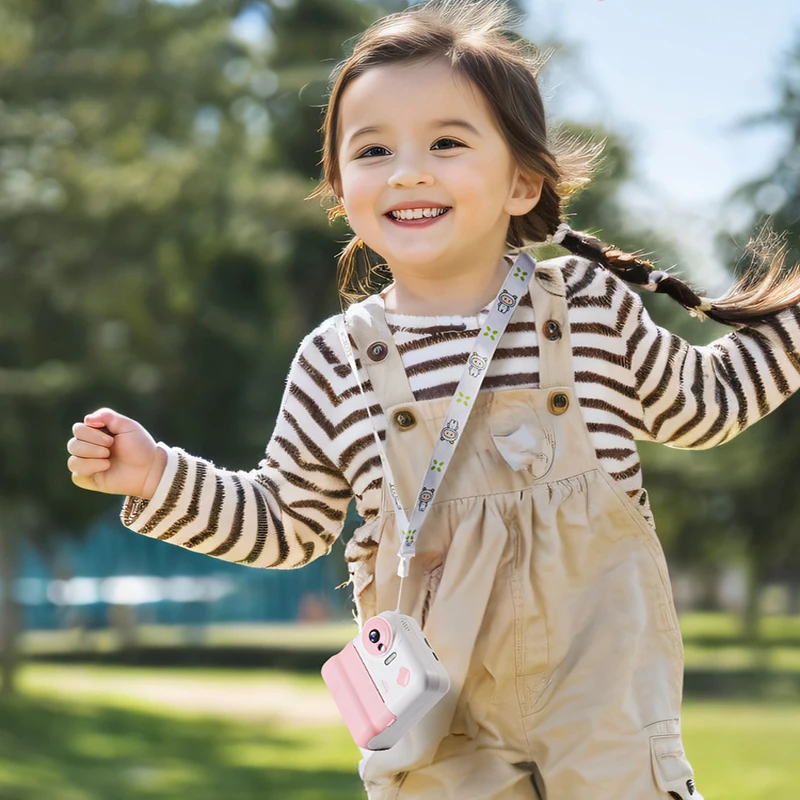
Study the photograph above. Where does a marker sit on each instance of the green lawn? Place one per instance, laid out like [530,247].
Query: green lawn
[699,629]
[66,745]
[744,751]
[712,625]
[61,750]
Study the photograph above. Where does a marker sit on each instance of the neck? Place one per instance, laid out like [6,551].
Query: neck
[464,295]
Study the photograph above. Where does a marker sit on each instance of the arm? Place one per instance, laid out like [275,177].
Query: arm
[696,397]
[281,515]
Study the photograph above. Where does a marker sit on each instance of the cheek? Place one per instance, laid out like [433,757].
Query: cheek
[470,183]
[361,190]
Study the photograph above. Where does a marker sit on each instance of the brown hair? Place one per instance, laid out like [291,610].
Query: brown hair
[479,42]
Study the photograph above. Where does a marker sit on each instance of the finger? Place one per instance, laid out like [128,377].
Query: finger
[106,417]
[87,450]
[85,482]
[87,466]
[93,435]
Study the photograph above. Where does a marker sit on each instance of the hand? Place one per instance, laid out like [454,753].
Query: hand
[114,454]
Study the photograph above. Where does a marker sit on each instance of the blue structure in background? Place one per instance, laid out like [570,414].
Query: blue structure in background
[167,584]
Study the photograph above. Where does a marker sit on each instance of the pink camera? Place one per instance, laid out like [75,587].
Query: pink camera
[385,680]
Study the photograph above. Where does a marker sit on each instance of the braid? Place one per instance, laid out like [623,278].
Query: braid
[635,270]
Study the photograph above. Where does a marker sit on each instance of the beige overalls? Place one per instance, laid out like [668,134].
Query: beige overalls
[539,585]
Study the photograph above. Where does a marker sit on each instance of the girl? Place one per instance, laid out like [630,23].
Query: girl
[539,578]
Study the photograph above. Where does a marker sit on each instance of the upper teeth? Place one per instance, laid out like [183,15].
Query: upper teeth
[417,213]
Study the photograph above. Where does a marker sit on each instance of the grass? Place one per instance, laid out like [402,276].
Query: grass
[780,659]
[97,745]
[712,624]
[63,750]
[332,636]
[700,629]
[107,745]
[742,750]
[89,732]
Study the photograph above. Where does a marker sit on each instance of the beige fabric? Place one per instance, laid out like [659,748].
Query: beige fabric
[541,588]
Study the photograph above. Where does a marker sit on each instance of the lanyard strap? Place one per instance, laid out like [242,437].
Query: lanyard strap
[461,405]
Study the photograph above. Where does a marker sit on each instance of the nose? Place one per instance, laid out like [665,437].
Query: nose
[407,174]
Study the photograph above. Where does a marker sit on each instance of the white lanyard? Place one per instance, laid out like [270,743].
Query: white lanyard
[483,349]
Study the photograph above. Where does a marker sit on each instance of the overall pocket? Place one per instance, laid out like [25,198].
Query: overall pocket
[522,440]
[649,538]
[672,771]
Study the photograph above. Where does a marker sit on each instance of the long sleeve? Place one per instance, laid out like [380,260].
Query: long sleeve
[696,397]
[281,515]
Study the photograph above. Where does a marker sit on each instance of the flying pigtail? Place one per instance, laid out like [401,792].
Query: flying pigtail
[635,270]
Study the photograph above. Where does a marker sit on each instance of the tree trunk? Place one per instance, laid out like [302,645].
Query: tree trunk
[751,621]
[9,610]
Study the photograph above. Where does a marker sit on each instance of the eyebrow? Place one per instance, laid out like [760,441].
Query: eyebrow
[437,123]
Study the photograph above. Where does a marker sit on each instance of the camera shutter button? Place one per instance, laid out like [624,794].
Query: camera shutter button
[404,676]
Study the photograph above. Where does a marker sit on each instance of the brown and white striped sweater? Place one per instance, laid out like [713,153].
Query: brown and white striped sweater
[634,381]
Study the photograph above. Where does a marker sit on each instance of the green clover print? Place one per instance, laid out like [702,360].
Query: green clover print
[408,536]
[462,398]
[518,273]
[490,333]
[437,465]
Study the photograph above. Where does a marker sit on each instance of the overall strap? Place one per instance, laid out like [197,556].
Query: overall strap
[461,404]
[548,296]
[378,353]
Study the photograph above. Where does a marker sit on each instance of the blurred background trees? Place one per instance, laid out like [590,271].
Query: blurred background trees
[157,256]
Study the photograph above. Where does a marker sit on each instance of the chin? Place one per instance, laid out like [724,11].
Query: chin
[411,254]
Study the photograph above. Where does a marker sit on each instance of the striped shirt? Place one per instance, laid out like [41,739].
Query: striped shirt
[633,380]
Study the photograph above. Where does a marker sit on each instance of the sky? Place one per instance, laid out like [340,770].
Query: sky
[675,77]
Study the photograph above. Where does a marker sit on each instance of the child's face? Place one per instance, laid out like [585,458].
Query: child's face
[414,158]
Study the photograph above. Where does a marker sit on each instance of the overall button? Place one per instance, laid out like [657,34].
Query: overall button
[552,330]
[377,351]
[557,402]
[404,419]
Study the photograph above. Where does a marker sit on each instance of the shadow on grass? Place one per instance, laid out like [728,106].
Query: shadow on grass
[59,750]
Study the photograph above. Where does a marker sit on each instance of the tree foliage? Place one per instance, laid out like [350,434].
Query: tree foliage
[157,254]
[156,251]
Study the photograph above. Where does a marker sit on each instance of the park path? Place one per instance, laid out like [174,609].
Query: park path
[272,698]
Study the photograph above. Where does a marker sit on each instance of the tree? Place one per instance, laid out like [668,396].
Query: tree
[148,216]
[154,232]
[767,506]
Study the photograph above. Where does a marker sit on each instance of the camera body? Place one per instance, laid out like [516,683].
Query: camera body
[385,680]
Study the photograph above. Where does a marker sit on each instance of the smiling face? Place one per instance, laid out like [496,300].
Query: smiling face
[420,152]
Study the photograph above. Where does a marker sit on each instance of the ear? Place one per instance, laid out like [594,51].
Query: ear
[525,193]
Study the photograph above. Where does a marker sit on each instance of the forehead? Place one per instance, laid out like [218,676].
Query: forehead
[410,95]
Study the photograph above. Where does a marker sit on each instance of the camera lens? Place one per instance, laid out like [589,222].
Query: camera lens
[374,635]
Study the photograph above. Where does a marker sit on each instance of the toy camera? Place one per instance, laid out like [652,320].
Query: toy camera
[385,680]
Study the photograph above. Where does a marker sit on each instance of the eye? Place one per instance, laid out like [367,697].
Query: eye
[370,149]
[453,141]
[378,147]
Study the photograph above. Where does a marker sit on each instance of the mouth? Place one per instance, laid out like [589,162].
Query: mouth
[417,223]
